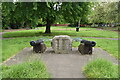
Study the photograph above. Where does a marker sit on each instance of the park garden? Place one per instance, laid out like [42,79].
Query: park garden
[23,22]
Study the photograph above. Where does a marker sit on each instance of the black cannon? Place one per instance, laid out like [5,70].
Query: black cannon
[90,43]
[86,46]
[38,46]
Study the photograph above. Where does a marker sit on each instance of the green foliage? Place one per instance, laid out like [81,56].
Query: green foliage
[33,69]
[75,11]
[18,14]
[27,14]
[101,68]
[60,20]
[104,12]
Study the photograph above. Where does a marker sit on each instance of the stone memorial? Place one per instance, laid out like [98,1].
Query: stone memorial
[86,47]
[62,44]
[38,46]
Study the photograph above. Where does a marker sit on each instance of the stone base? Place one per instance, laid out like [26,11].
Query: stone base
[62,44]
[84,49]
[39,48]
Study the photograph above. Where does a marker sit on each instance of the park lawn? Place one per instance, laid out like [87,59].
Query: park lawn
[12,46]
[32,69]
[101,68]
[86,32]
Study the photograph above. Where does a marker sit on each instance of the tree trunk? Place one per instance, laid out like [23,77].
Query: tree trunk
[48,27]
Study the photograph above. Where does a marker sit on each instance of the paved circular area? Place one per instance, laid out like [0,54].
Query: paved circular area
[61,65]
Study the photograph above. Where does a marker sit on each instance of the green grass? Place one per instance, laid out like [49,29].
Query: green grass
[101,68]
[13,46]
[84,32]
[34,69]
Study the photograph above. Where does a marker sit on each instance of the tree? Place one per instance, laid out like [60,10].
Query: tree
[112,12]
[48,14]
[27,14]
[7,9]
[104,12]
[75,11]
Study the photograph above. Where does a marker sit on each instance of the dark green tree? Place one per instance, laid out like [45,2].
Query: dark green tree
[27,14]
[75,11]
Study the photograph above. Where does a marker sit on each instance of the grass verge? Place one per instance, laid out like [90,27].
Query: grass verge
[34,69]
[101,68]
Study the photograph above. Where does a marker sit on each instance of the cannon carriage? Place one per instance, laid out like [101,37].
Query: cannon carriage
[86,47]
[38,46]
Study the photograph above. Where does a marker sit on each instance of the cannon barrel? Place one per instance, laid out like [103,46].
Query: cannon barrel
[33,43]
[38,46]
[90,43]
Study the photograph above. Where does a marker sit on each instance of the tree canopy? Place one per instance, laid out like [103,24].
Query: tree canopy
[27,14]
[76,11]
[104,12]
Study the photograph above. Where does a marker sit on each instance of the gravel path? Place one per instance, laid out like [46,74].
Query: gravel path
[61,65]
[102,38]
[1,33]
